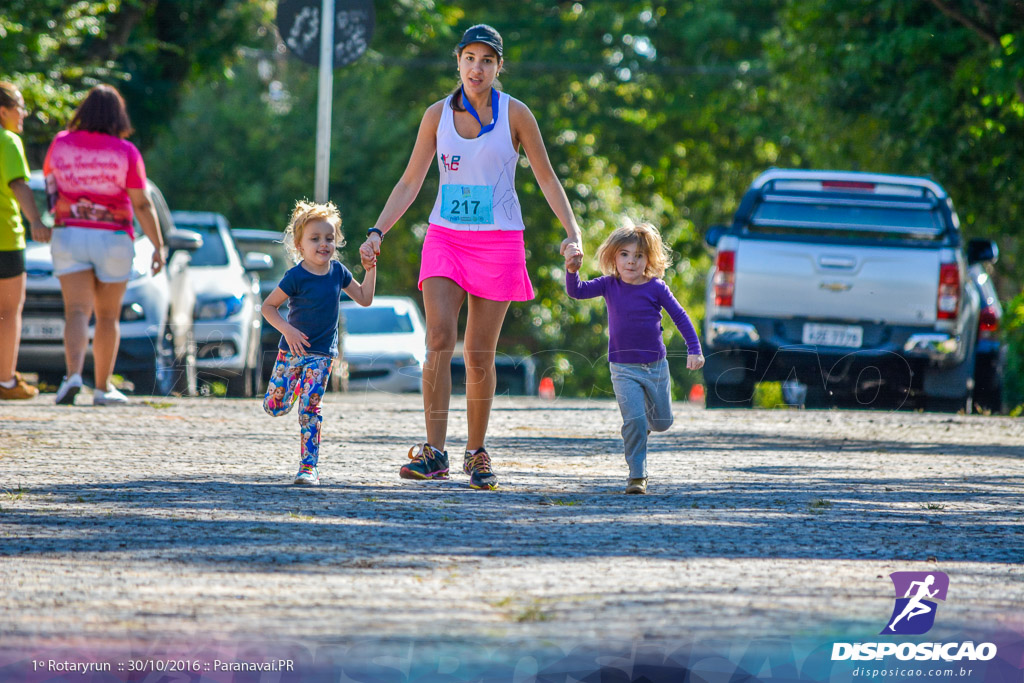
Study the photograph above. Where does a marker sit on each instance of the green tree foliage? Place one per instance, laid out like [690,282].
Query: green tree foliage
[56,50]
[932,87]
[659,110]
[1013,323]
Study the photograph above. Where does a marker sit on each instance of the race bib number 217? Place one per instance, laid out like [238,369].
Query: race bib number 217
[468,204]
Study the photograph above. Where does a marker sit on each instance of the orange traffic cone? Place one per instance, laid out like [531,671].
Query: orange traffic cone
[697,393]
[546,389]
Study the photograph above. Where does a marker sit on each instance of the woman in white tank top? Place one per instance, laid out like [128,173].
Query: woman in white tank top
[474,247]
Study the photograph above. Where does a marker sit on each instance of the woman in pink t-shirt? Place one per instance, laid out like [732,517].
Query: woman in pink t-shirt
[100,183]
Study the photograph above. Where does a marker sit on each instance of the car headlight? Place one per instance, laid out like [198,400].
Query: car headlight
[131,312]
[216,309]
[405,361]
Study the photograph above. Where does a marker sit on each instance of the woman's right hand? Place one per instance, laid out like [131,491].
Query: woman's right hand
[40,233]
[296,340]
[369,249]
[159,261]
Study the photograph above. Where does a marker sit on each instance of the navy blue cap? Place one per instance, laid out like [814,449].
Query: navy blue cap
[482,33]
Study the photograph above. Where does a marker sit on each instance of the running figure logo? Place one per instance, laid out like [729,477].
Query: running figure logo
[914,612]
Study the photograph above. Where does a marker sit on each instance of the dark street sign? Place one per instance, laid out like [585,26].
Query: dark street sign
[299,24]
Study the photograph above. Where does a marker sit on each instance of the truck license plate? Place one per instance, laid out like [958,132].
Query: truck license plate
[42,329]
[850,336]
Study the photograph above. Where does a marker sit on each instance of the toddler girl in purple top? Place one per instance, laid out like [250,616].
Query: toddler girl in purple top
[634,259]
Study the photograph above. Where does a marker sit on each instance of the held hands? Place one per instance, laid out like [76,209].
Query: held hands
[573,253]
[369,250]
[694,362]
[297,341]
[368,263]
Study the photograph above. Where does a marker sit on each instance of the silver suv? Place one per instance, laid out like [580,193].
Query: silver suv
[228,318]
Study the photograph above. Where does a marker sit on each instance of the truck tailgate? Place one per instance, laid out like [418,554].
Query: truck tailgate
[836,282]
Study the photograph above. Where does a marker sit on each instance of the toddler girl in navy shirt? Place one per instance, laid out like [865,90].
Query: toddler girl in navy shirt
[309,338]
[634,259]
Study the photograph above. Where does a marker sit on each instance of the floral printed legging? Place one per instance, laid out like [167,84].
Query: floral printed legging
[303,378]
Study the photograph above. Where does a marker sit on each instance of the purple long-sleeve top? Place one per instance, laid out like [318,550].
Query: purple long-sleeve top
[634,316]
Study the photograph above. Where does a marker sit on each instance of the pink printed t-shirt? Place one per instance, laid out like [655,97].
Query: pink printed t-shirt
[93,173]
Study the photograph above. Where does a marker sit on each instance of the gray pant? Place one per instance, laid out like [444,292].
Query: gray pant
[645,400]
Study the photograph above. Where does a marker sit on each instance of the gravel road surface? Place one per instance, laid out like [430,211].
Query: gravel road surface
[175,519]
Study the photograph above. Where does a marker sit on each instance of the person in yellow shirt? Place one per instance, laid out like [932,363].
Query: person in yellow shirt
[15,198]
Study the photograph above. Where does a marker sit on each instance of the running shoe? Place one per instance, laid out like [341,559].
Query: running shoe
[308,475]
[637,486]
[110,397]
[69,388]
[478,466]
[427,463]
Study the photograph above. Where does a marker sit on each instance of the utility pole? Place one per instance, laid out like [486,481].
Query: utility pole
[325,93]
[342,30]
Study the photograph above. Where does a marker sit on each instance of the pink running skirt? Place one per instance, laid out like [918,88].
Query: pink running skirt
[490,264]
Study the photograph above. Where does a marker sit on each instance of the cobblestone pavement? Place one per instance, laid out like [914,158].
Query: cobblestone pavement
[175,518]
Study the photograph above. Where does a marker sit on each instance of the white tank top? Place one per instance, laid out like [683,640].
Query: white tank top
[478,175]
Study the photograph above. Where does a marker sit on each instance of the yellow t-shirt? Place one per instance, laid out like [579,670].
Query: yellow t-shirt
[13,165]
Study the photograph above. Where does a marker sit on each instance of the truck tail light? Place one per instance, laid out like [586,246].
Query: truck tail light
[847,185]
[725,278]
[948,303]
[988,323]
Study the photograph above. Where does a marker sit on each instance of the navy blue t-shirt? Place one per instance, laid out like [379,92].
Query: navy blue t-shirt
[314,305]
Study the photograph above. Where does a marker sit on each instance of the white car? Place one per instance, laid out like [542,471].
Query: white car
[157,349]
[227,314]
[385,344]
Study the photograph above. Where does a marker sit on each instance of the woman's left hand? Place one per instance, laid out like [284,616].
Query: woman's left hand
[572,250]
[694,362]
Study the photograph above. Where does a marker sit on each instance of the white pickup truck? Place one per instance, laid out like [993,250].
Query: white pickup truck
[852,284]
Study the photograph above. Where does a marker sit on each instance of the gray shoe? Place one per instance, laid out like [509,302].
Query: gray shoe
[637,485]
[69,388]
[110,397]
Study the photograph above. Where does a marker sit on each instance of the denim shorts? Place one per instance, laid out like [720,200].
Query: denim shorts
[107,252]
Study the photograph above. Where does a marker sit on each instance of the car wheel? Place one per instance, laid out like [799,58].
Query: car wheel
[339,377]
[158,378]
[817,398]
[989,399]
[898,398]
[730,395]
[243,385]
[258,383]
[988,389]
[185,375]
[268,360]
[935,404]
[248,382]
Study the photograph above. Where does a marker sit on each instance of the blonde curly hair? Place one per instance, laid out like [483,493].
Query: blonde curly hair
[647,238]
[305,213]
